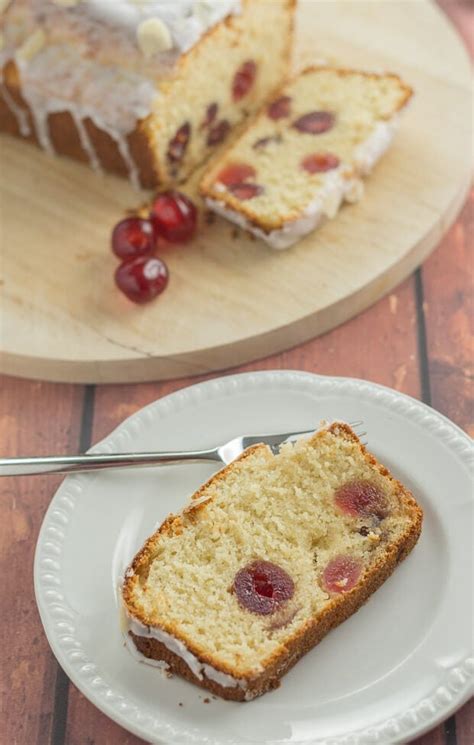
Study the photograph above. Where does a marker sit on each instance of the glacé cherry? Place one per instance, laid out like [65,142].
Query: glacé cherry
[320,162]
[361,498]
[315,123]
[245,190]
[174,216]
[236,173]
[133,237]
[341,574]
[262,587]
[142,279]
[280,108]
[244,79]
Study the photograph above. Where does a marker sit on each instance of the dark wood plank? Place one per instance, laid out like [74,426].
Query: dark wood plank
[465,724]
[448,293]
[448,287]
[435,737]
[34,418]
[380,345]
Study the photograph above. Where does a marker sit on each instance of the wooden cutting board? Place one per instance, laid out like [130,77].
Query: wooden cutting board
[232,299]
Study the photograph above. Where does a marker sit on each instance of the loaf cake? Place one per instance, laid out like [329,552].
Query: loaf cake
[144,88]
[306,153]
[271,554]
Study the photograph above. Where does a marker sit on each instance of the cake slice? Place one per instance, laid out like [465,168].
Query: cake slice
[271,554]
[148,89]
[305,153]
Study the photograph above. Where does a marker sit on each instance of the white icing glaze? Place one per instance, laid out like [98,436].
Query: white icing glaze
[371,150]
[339,185]
[113,100]
[198,668]
[186,20]
[139,657]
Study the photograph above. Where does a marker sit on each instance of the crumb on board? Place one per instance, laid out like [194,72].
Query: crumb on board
[207,701]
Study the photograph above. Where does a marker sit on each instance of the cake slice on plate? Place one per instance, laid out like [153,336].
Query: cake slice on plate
[272,553]
[306,153]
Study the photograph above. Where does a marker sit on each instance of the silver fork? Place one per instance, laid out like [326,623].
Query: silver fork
[223,454]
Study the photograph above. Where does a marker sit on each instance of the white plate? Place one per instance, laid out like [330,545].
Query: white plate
[400,665]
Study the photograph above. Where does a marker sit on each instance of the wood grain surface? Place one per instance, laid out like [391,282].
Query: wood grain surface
[232,299]
[418,340]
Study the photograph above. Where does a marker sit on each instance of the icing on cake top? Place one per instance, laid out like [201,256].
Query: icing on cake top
[176,24]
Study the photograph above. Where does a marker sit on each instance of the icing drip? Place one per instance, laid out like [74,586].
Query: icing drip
[113,100]
[19,113]
[84,138]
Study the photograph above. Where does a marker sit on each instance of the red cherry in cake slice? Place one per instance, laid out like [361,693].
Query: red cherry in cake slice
[218,133]
[262,587]
[179,144]
[142,279]
[341,574]
[361,498]
[315,123]
[236,173]
[320,162]
[279,109]
[174,217]
[133,237]
[244,79]
[264,141]
[245,191]
[211,114]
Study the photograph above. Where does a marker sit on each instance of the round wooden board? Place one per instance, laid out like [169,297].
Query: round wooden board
[232,299]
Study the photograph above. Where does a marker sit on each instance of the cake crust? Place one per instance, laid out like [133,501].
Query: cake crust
[286,655]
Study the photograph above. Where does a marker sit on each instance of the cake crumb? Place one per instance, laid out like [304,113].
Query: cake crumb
[207,701]
[180,703]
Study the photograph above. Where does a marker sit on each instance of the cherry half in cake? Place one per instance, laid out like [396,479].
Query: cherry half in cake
[320,162]
[244,79]
[361,499]
[263,587]
[341,574]
[236,177]
[236,173]
[179,144]
[315,122]
[280,108]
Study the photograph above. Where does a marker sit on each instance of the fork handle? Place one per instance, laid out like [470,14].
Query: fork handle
[99,462]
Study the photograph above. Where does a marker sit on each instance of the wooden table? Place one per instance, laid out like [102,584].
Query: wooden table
[416,340]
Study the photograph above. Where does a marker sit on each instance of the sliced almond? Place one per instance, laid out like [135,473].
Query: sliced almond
[153,36]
